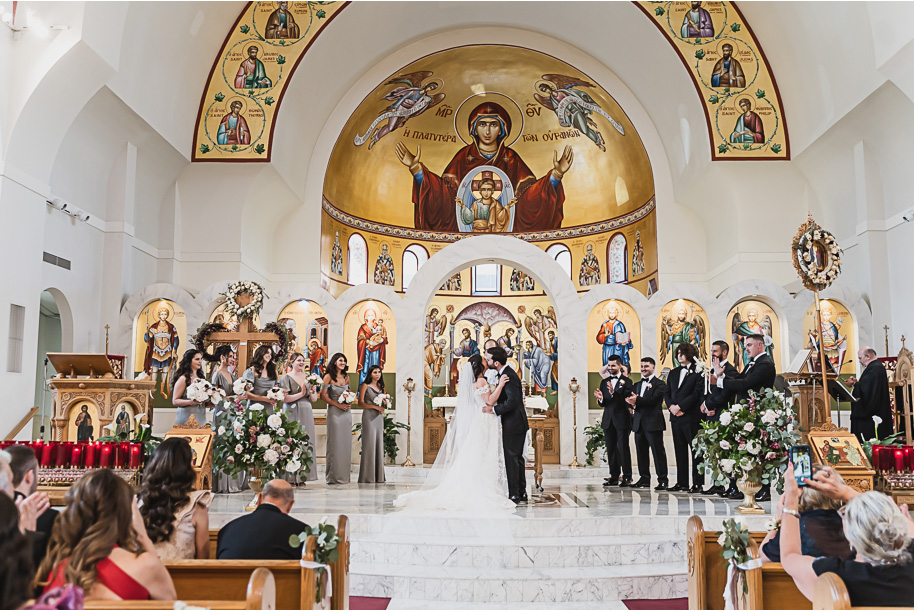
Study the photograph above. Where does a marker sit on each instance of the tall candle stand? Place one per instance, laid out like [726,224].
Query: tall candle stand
[574,387]
[409,386]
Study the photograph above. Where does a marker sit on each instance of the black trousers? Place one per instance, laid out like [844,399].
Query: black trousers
[683,432]
[618,451]
[514,463]
[651,442]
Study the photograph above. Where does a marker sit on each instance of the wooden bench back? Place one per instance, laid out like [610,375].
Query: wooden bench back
[261,595]
[830,593]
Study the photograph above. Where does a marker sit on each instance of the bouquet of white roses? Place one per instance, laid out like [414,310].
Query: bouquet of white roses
[383,400]
[252,439]
[276,393]
[314,380]
[203,391]
[348,397]
[242,386]
[752,439]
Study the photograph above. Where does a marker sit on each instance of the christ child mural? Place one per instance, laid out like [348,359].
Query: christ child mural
[697,23]
[317,358]
[749,128]
[281,24]
[252,74]
[539,201]
[161,348]
[233,129]
[83,425]
[487,213]
[371,344]
[616,340]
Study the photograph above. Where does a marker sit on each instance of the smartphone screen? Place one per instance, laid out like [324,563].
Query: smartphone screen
[801,458]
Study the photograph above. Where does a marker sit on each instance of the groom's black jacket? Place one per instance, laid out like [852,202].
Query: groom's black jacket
[510,406]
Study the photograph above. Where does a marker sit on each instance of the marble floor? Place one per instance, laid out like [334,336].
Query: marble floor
[577,546]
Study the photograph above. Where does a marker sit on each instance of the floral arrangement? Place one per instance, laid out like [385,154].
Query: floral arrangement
[889,441]
[251,439]
[276,393]
[391,430]
[201,390]
[383,400]
[325,552]
[595,441]
[348,397]
[199,339]
[734,544]
[751,440]
[314,380]
[811,242]
[242,386]
[252,308]
[282,344]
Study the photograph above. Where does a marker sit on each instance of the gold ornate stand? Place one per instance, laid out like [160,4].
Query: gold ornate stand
[409,386]
[574,387]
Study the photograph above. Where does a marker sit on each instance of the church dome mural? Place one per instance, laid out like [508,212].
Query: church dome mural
[489,139]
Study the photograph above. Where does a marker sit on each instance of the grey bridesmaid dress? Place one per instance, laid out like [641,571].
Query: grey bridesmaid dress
[222,482]
[339,438]
[184,412]
[302,412]
[262,386]
[371,467]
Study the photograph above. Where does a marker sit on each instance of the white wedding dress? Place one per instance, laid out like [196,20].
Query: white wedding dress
[468,477]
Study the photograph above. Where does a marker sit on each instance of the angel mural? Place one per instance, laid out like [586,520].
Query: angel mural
[682,329]
[539,324]
[572,106]
[741,329]
[409,99]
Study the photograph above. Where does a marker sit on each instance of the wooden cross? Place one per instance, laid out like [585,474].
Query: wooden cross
[247,338]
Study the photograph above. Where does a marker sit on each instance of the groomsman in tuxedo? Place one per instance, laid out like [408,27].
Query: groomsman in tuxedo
[616,422]
[646,406]
[758,374]
[684,389]
[717,400]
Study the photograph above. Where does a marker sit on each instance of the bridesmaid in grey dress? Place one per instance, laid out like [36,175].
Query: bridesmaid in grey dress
[297,407]
[224,378]
[263,374]
[371,467]
[339,421]
[189,371]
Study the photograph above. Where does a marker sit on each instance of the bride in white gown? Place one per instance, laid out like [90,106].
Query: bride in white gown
[468,477]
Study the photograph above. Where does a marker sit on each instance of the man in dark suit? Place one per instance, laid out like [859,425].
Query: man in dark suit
[758,374]
[510,408]
[24,465]
[683,399]
[616,422]
[718,400]
[646,406]
[264,533]
[872,391]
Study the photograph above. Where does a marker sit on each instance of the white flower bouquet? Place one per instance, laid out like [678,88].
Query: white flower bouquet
[252,439]
[314,380]
[276,393]
[383,400]
[752,439]
[242,386]
[203,391]
[348,397]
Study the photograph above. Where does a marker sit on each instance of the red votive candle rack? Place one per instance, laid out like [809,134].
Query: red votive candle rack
[120,457]
[106,460]
[76,455]
[136,455]
[91,457]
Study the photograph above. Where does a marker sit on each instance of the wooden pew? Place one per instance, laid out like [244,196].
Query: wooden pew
[261,595]
[772,588]
[706,568]
[220,579]
[830,593]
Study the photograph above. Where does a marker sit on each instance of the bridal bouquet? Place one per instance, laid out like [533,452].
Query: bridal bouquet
[203,391]
[751,440]
[252,439]
[314,380]
[242,386]
[348,397]
[276,393]
[383,400]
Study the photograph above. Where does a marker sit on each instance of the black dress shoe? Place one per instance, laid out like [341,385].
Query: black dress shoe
[663,485]
[735,494]
[522,499]
[678,487]
[626,482]
[643,483]
[696,489]
[726,493]
[715,490]
[610,482]
[763,495]
[515,499]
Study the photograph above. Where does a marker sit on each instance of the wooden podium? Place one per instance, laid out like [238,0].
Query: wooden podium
[200,437]
[89,379]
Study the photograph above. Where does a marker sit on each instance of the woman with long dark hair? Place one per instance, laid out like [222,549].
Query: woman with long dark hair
[297,406]
[176,516]
[99,544]
[339,421]
[371,466]
[189,371]
[16,569]
[224,377]
[262,374]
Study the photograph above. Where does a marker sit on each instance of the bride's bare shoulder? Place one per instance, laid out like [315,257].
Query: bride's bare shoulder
[481,382]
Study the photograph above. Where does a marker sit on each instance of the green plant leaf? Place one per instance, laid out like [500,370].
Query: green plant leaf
[220,97]
[700,53]
[777,149]
[760,93]
[659,11]
[735,27]
[321,14]
[259,149]
[269,100]
[244,30]
[280,60]
[295,541]
[714,99]
[722,148]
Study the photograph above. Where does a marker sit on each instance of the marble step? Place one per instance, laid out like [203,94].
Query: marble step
[430,604]
[546,552]
[459,584]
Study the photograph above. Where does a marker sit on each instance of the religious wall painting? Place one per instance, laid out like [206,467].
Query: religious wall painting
[483,148]
[230,321]
[753,317]
[160,339]
[838,330]
[336,256]
[249,76]
[83,424]
[369,332]
[638,256]
[590,268]
[681,321]
[729,70]
[123,422]
[308,328]
[617,259]
[384,273]
[453,283]
[521,281]
[613,328]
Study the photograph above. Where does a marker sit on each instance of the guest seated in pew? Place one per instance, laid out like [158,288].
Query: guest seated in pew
[263,534]
[176,516]
[99,544]
[31,507]
[821,526]
[25,479]
[16,569]
[882,574]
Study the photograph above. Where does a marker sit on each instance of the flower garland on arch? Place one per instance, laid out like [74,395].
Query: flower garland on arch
[252,308]
[816,256]
[284,341]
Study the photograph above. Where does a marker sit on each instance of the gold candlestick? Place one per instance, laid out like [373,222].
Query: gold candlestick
[574,387]
[409,386]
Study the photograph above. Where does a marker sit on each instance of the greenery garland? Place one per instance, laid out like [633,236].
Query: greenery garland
[199,339]
[285,342]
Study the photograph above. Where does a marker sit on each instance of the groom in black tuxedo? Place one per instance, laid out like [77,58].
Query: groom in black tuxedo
[616,423]
[510,407]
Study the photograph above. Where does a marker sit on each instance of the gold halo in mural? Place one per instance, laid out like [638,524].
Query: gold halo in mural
[461,117]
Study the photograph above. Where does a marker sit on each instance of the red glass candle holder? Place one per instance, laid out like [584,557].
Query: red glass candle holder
[106,458]
[61,455]
[908,452]
[136,455]
[76,455]
[91,455]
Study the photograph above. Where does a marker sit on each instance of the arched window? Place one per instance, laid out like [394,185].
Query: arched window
[358,260]
[616,258]
[486,279]
[562,256]
[413,258]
